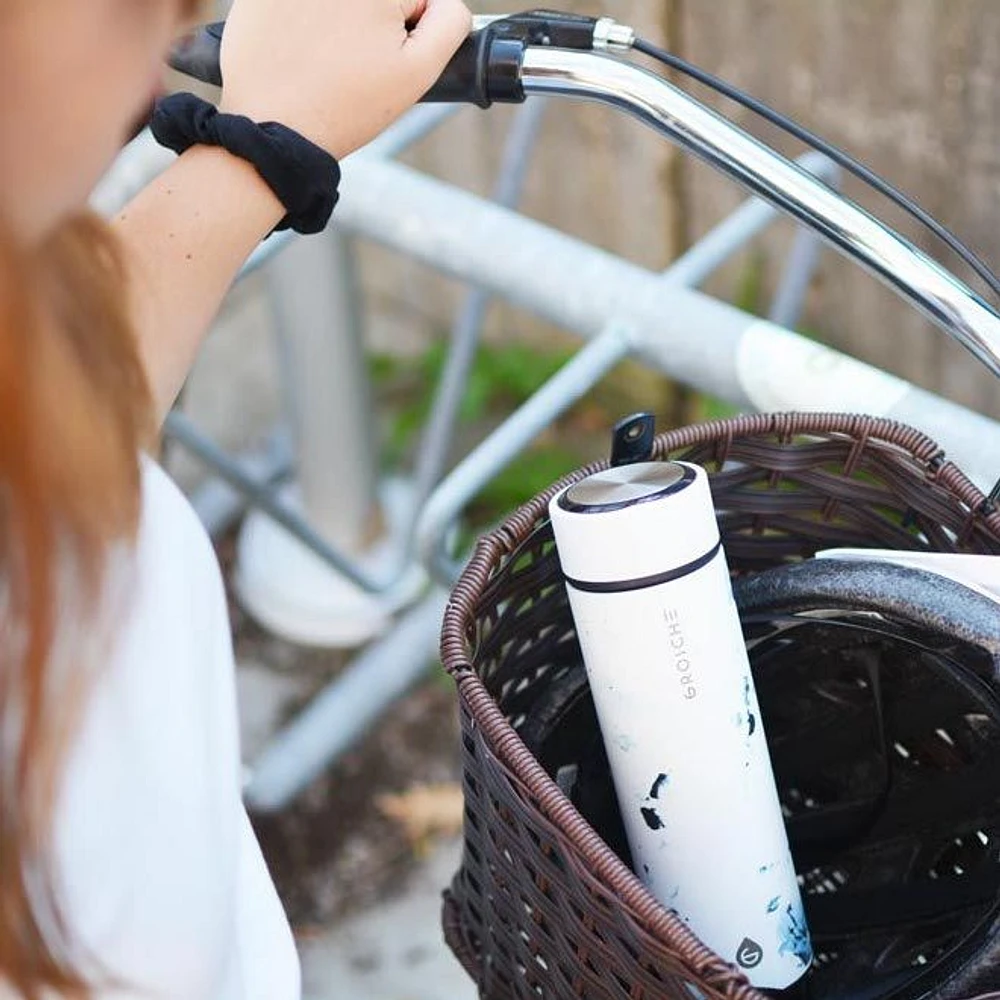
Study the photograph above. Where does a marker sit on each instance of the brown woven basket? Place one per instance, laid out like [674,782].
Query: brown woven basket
[541,906]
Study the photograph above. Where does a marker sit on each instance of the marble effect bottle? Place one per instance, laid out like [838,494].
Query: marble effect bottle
[661,638]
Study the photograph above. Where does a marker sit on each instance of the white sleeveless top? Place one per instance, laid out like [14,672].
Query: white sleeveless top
[160,877]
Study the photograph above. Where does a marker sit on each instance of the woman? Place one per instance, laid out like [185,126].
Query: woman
[127,866]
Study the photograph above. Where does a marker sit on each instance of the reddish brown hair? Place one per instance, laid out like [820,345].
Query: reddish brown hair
[74,412]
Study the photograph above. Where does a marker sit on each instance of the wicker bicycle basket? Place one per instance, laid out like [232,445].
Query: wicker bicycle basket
[544,904]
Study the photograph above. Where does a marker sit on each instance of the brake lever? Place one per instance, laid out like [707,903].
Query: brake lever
[487,67]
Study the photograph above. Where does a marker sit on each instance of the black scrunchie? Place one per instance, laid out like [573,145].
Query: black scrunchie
[304,177]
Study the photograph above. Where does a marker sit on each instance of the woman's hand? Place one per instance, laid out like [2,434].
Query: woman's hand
[336,71]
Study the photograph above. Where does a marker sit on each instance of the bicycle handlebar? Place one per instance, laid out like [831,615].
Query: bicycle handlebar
[544,52]
[485,70]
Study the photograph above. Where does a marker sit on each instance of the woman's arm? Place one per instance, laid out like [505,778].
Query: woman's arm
[338,72]
[185,237]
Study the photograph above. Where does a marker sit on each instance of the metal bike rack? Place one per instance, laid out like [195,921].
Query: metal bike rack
[333,721]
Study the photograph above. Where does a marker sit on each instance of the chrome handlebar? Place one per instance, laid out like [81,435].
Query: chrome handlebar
[880,250]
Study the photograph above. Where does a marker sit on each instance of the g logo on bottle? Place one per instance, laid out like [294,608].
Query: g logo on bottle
[749,954]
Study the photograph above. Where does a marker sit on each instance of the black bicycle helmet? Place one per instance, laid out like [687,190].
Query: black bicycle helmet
[878,687]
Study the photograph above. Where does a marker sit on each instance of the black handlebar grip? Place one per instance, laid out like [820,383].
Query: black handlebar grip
[485,68]
[199,55]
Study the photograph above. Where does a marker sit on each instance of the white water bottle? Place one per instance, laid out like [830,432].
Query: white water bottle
[664,652]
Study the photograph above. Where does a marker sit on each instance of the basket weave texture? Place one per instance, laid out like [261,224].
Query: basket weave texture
[541,906]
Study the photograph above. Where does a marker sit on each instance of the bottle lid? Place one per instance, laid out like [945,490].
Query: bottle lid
[626,485]
[635,523]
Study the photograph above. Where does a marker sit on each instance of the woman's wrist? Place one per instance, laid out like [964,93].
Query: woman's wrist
[259,205]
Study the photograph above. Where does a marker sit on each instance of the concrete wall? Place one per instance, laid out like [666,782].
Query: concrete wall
[912,87]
